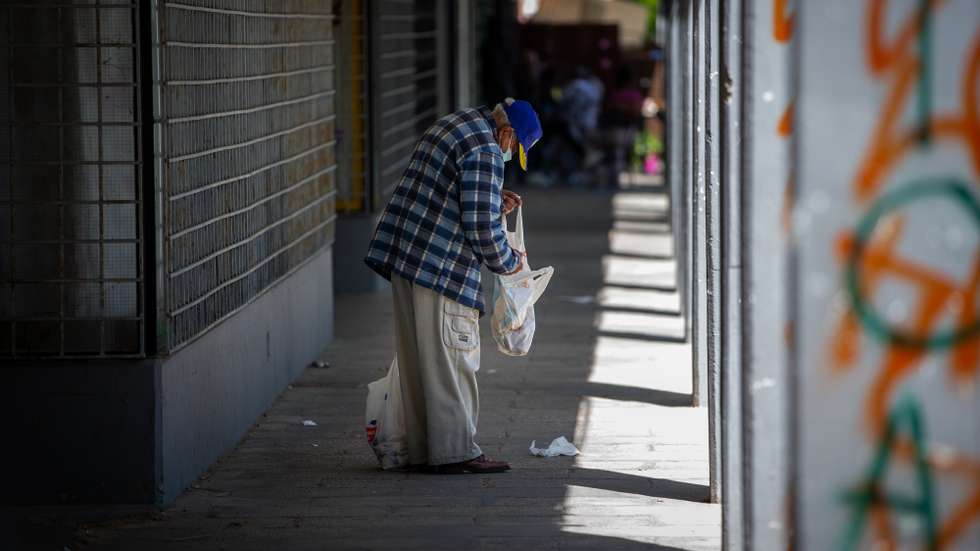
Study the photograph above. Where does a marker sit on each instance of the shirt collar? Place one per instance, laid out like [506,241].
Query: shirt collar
[488,115]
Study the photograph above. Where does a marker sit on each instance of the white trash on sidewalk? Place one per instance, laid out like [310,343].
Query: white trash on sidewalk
[309,423]
[559,446]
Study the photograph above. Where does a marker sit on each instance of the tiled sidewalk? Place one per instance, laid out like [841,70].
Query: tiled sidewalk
[607,370]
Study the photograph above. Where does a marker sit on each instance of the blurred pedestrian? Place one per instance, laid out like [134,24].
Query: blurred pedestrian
[580,106]
[581,103]
[622,123]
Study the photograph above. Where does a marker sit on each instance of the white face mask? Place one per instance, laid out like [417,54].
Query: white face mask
[507,156]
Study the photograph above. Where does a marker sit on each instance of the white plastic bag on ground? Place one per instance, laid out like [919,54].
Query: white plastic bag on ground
[514,296]
[384,420]
[559,446]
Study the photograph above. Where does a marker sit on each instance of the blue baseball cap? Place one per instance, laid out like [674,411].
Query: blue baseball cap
[525,123]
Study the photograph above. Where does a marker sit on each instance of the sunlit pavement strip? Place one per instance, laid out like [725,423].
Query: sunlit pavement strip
[603,372]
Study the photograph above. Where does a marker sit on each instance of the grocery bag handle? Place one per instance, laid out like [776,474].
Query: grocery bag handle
[518,227]
[519,231]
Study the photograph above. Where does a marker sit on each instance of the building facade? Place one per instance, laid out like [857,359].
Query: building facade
[181,181]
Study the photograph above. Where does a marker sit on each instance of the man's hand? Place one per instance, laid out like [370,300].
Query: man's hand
[511,201]
[520,265]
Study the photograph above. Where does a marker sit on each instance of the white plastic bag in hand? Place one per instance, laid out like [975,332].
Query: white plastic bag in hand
[385,421]
[514,296]
[513,342]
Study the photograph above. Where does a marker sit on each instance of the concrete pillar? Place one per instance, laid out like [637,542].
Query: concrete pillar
[675,130]
[728,81]
[886,251]
[699,311]
[685,116]
[766,102]
[702,293]
[710,175]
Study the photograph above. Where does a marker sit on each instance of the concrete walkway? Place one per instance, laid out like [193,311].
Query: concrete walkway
[607,370]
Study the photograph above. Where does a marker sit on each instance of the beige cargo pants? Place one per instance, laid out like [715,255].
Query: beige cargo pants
[438,347]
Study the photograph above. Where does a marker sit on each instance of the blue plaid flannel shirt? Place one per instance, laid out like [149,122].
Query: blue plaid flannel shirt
[444,218]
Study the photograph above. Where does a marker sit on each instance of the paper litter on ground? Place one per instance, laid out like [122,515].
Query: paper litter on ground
[309,423]
[559,446]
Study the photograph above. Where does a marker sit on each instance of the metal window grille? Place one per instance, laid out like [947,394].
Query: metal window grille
[71,278]
[405,85]
[247,107]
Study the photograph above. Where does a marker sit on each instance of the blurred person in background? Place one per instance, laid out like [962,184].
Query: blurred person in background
[546,172]
[622,123]
[570,151]
[580,106]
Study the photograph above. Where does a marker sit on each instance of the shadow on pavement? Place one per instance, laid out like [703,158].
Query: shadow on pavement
[622,396]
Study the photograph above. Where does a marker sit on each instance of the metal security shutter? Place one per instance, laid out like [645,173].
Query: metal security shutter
[71,278]
[406,85]
[247,108]
[350,32]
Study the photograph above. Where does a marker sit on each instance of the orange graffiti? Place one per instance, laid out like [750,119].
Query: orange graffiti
[782,22]
[785,127]
[782,31]
[880,56]
[788,201]
[889,144]
[847,337]
[966,355]
[883,523]
[959,521]
[936,291]
[897,61]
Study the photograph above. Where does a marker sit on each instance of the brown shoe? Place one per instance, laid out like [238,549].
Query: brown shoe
[479,465]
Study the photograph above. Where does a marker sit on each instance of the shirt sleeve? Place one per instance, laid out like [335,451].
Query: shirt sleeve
[480,183]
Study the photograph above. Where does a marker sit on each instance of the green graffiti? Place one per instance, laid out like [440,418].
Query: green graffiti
[950,187]
[871,493]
